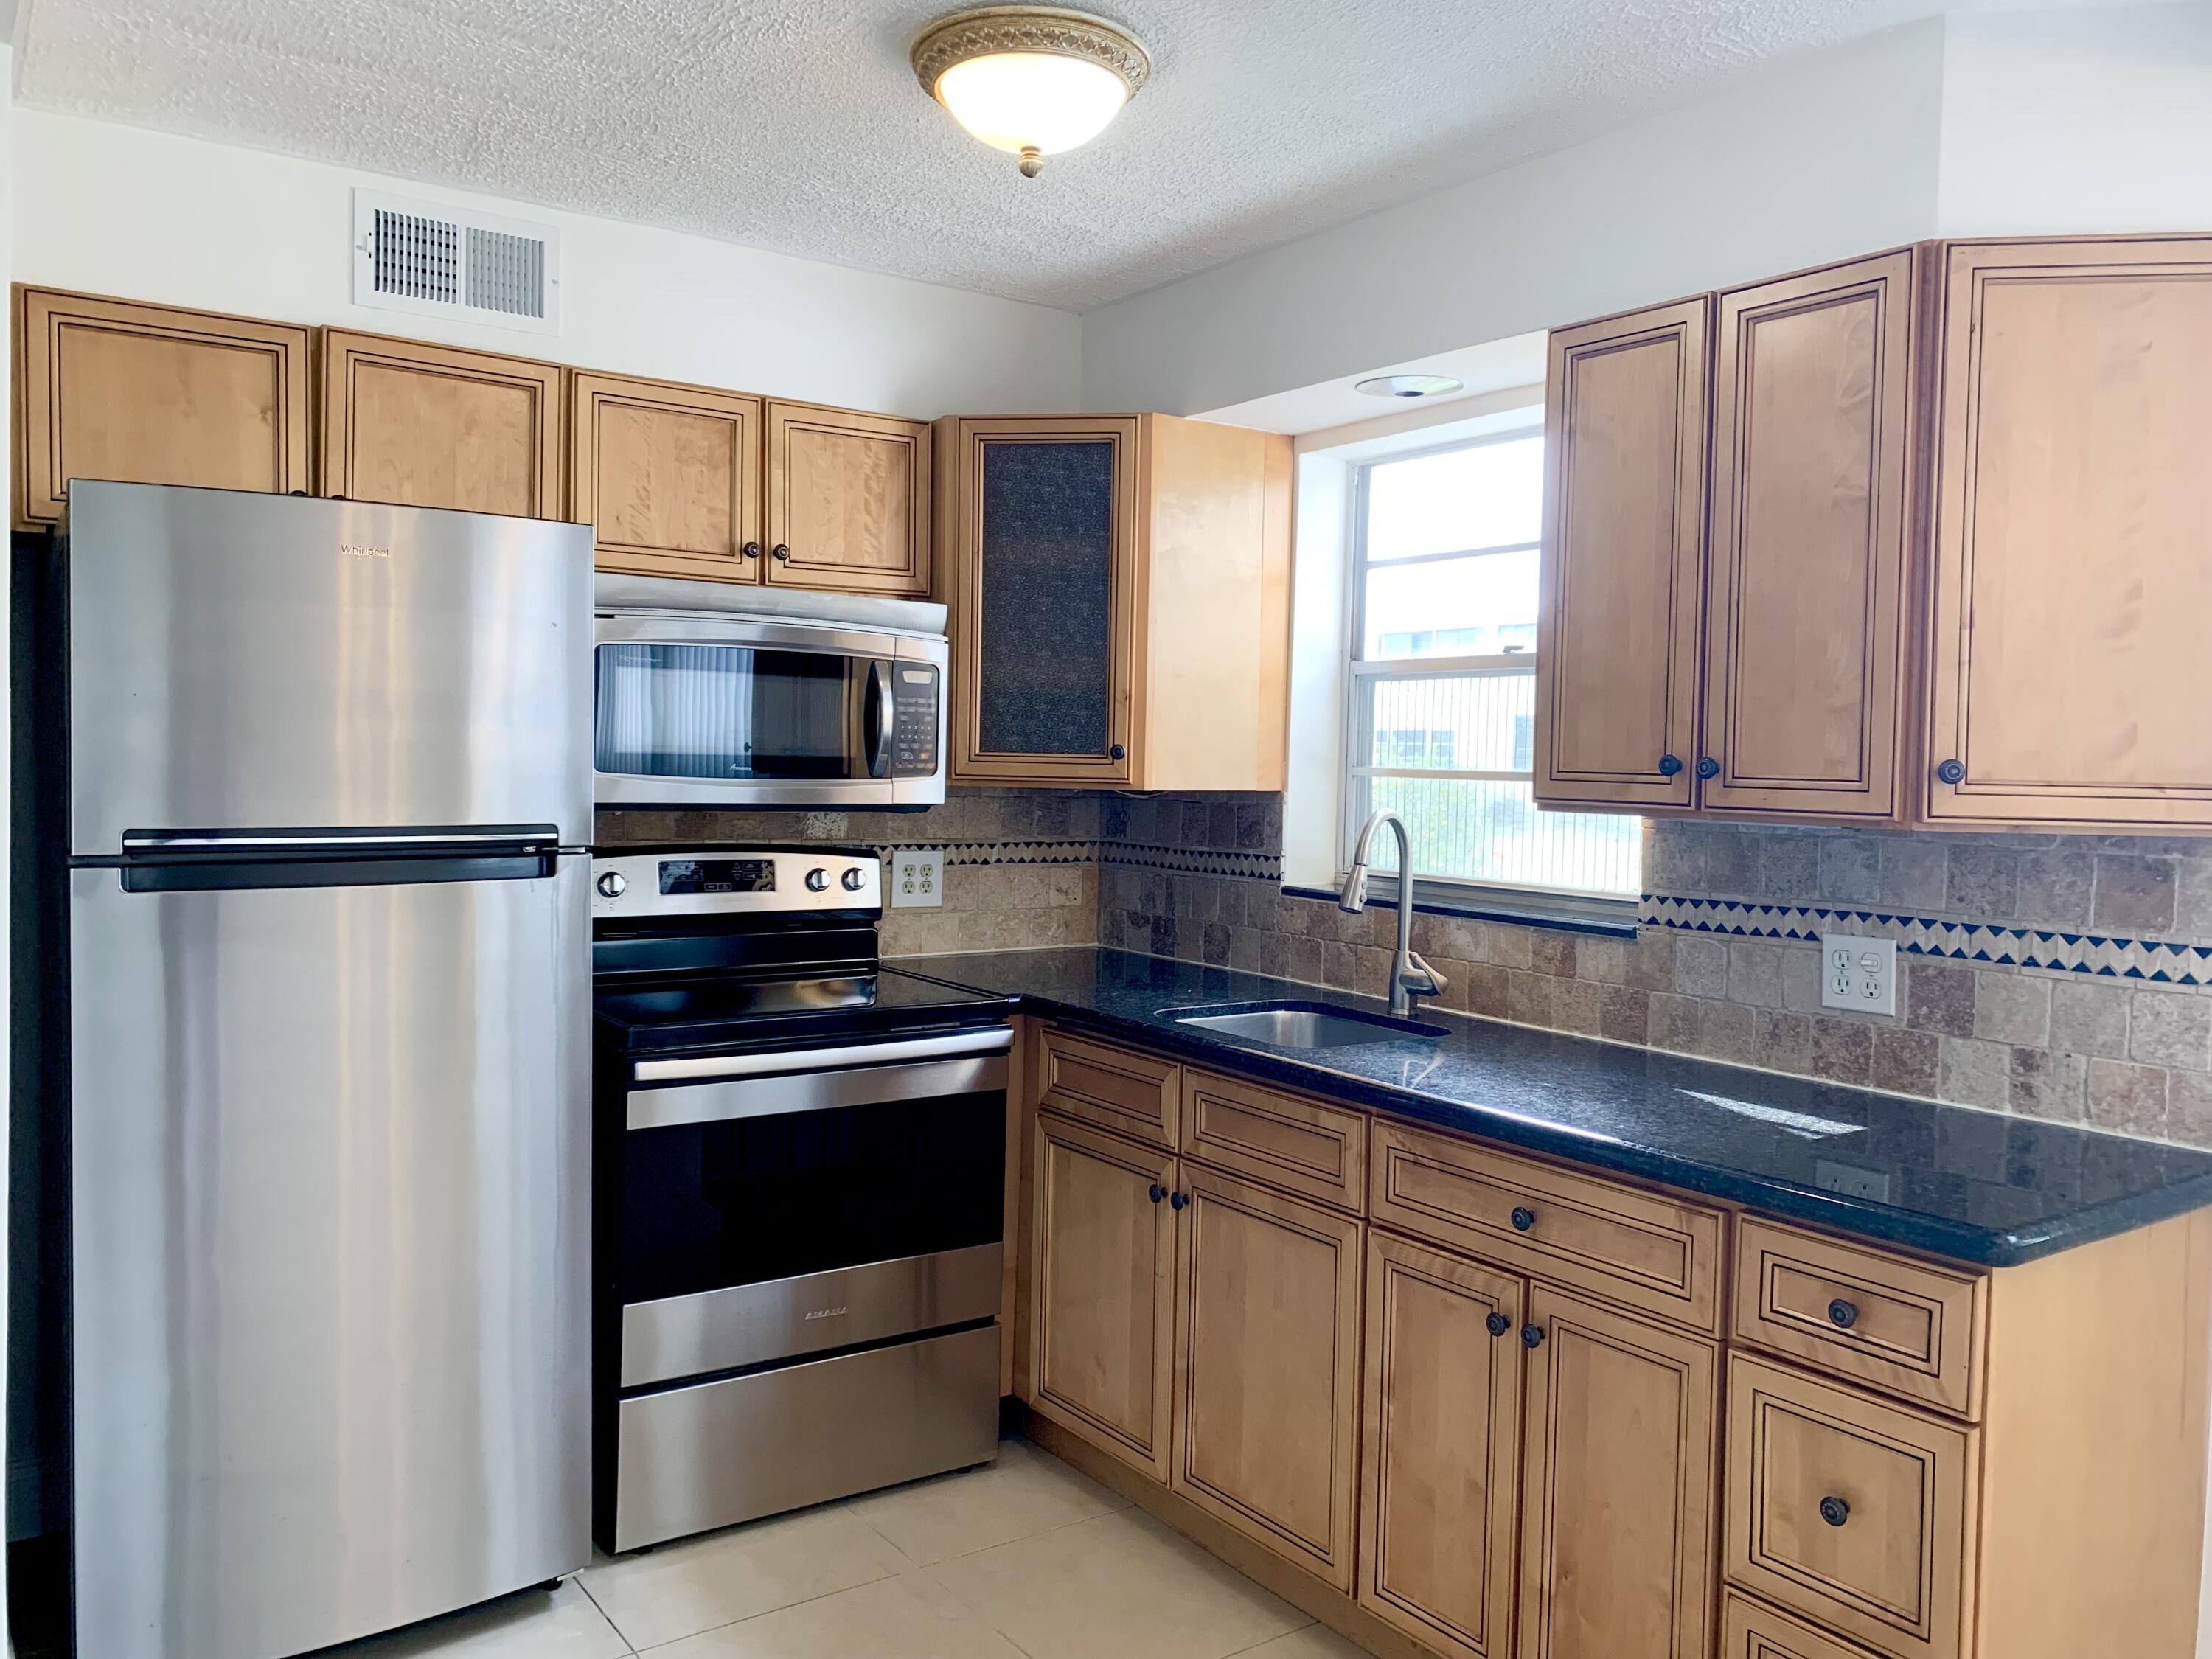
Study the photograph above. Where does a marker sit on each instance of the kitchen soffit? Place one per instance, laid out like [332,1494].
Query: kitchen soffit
[793,125]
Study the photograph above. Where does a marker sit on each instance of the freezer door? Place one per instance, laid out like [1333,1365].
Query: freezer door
[276,662]
[330,1192]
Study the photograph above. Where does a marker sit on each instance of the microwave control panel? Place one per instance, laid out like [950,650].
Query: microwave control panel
[916,718]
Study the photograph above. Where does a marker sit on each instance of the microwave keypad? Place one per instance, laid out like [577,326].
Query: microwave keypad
[914,721]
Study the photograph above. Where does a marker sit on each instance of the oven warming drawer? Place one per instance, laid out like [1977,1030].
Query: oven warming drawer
[724,1330]
[715,1454]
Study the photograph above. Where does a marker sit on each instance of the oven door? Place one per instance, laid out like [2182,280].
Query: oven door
[788,1204]
[735,712]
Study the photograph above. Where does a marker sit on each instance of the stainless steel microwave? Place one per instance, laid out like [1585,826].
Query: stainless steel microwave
[701,707]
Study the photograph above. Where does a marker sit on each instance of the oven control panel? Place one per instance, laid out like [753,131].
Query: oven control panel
[722,880]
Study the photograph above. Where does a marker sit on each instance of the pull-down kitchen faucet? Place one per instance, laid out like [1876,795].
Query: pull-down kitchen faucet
[1410,976]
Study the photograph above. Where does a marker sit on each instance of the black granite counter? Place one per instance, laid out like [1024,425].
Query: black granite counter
[1972,1186]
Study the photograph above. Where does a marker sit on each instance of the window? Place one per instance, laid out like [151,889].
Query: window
[1443,680]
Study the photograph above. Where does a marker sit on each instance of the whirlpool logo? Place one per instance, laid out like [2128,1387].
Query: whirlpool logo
[826,1313]
[362,551]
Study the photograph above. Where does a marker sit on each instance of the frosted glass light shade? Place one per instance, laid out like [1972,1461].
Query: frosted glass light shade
[1032,79]
[1032,101]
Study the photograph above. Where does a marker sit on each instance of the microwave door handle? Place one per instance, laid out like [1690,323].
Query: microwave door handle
[881,719]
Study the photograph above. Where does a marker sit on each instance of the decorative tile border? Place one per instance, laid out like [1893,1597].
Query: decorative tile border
[1069,851]
[2024,947]
[1193,860]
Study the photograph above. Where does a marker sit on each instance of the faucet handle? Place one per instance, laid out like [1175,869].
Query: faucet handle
[1421,979]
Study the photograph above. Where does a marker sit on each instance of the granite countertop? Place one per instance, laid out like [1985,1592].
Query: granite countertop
[1971,1186]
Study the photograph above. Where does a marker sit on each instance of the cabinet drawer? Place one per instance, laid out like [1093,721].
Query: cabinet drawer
[1904,1326]
[1856,1514]
[1300,1145]
[1650,1252]
[1131,1093]
[1751,1630]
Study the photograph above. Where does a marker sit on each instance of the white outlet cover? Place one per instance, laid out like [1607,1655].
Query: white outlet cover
[917,879]
[1858,973]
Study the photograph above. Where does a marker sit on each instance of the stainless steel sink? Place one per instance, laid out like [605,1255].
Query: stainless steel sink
[1301,1024]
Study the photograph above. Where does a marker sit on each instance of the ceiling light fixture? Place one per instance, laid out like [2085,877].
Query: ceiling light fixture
[1034,80]
[1408,385]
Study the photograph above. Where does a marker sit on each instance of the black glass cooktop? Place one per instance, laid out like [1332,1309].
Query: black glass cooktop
[720,1009]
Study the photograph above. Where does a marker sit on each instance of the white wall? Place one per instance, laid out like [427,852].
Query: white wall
[1833,155]
[146,215]
[2070,121]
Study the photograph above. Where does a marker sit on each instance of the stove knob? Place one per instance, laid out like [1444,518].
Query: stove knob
[611,883]
[853,879]
[816,880]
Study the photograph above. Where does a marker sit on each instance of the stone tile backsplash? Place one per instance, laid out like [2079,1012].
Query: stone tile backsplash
[1719,969]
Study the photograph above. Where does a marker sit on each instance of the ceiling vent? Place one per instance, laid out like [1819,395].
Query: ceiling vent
[441,261]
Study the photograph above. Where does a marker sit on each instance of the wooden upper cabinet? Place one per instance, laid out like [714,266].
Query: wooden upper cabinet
[1267,1332]
[2073,550]
[1617,1495]
[151,394]
[848,501]
[668,476]
[1103,1289]
[1622,559]
[1814,423]
[1442,1448]
[433,426]
[1040,518]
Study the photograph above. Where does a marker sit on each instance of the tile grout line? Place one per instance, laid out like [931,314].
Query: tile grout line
[577,1578]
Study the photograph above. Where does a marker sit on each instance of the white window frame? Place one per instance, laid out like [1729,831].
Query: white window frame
[1511,899]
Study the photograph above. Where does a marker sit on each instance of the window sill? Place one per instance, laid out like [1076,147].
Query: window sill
[1605,918]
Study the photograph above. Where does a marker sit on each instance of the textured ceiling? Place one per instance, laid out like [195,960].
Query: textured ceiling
[796,125]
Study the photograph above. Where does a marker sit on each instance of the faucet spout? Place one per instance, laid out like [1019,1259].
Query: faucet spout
[1410,976]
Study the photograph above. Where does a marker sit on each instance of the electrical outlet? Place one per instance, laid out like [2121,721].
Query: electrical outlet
[1858,973]
[918,878]
[1850,1181]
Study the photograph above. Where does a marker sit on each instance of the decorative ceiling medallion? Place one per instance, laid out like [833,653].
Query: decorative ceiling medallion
[1033,80]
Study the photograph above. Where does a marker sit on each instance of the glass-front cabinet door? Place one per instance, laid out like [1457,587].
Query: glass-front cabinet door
[1042,514]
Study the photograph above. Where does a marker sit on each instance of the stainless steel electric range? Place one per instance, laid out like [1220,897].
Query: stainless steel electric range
[800,1173]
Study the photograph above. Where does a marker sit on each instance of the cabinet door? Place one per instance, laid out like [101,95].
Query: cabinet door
[668,477]
[148,394]
[1813,431]
[1102,1280]
[1043,528]
[1267,1368]
[433,426]
[847,501]
[1442,1448]
[2072,559]
[1617,1508]
[1618,601]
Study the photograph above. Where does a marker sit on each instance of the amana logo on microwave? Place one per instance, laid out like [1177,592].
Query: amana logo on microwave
[361,550]
[828,1313]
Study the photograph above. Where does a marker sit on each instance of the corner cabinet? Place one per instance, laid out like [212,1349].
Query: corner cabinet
[1120,601]
[112,390]
[425,425]
[2073,544]
[1953,552]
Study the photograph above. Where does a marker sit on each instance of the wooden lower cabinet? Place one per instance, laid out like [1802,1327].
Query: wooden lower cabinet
[1751,1630]
[1100,1333]
[1440,1480]
[1267,1395]
[1617,1504]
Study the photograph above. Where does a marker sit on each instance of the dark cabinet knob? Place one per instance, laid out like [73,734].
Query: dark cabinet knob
[1497,1324]
[1708,767]
[1669,765]
[1178,1201]
[751,550]
[781,552]
[1532,1336]
[1951,771]
[1523,1219]
[1117,752]
[1158,1192]
[1835,1511]
[1843,1314]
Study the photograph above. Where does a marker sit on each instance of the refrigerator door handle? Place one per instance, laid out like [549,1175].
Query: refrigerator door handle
[203,874]
[144,842]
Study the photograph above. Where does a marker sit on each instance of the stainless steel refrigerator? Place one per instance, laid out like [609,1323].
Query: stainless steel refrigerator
[328,981]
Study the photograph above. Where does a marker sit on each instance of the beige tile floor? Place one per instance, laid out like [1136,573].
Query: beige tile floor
[1024,1559]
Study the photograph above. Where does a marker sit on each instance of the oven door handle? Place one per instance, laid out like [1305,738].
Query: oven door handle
[717,1088]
